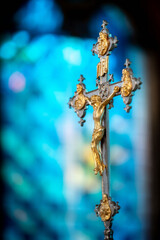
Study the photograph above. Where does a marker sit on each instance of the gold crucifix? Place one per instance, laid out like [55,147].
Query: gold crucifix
[98,110]
[99,99]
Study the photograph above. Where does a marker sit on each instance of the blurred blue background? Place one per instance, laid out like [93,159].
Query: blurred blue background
[50,190]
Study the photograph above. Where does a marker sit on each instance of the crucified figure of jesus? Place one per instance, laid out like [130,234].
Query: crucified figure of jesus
[98,110]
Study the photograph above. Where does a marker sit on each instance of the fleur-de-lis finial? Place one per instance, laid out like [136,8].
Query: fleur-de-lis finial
[81,79]
[111,79]
[104,24]
[127,63]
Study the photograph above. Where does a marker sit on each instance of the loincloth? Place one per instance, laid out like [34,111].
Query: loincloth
[98,134]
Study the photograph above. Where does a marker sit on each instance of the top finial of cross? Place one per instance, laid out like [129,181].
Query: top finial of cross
[81,79]
[104,24]
[127,63]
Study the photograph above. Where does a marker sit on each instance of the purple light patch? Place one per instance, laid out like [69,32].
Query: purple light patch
[17,82]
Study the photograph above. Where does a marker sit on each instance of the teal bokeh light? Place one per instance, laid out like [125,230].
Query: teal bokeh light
[40,16]
[8,50]
[21,38]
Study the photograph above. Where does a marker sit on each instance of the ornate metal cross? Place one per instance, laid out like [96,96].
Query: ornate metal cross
[99,99]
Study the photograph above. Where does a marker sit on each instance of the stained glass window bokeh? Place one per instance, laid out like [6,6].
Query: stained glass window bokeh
[50,188]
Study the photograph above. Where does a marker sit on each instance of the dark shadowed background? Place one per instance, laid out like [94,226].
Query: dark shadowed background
[48,187]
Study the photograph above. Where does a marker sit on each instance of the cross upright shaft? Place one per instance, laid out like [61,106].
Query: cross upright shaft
[99,99]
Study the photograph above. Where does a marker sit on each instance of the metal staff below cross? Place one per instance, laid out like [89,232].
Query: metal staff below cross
[99,99]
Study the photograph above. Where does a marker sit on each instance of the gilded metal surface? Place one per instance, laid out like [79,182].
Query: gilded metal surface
[102,67]
[105,211]
[99,106]
[126,88]
[98,110]
[103,43]
[80,100]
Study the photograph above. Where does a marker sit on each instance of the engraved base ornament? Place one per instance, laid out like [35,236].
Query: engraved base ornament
[106,211]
